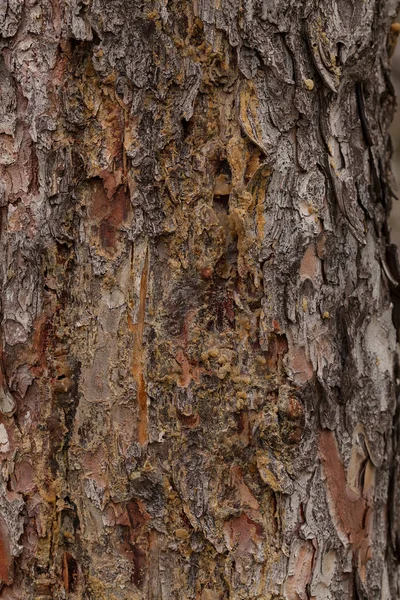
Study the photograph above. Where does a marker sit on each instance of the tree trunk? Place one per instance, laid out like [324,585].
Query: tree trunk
[198,373]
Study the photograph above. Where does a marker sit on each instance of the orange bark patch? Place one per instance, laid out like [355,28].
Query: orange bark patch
[301,366]
[108,212]
[122,418]
[99,204]
[23,479]
[94,463]
[183,361]
[296,584]
[310,265]
[115,514]
[245,496]
[243,534]
[6,559]
[321,246]
[111,181]
[351,513]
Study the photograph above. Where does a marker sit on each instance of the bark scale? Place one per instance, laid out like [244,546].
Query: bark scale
[198,370]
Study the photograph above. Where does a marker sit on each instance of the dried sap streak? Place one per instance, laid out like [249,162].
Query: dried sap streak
[137,356]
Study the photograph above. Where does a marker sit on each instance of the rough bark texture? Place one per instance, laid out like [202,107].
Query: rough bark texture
[198,388]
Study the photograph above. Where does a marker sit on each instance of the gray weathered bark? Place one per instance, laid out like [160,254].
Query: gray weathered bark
[198,371]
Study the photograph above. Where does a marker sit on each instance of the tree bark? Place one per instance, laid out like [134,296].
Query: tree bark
[198,384]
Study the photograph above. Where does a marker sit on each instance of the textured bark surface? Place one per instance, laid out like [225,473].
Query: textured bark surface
[198,392]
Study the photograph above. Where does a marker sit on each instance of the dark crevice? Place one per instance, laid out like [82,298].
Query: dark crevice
[187,127]
[221,202]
